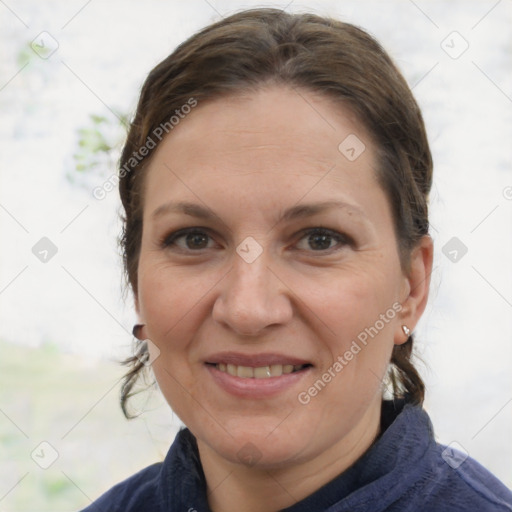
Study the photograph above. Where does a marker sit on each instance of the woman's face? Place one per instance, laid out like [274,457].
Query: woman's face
[268,248]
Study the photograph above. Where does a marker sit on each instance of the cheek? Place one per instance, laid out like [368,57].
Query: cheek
[173,303]
[350,300]
[159,300]
[167,298]
[359,309]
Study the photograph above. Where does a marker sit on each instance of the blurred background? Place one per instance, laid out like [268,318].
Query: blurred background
[70,73]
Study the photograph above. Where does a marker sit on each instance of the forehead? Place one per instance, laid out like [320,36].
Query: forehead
[271,122]
[279,143]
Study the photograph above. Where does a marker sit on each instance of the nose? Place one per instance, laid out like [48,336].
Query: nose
[252,299]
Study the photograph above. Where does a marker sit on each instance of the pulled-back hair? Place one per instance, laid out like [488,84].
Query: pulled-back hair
[258,47]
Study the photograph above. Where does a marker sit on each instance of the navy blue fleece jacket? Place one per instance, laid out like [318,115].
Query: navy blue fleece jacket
[404,470]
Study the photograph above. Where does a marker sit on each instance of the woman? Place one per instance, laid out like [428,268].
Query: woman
[275,182]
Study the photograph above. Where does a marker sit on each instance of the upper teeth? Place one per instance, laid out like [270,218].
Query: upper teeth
[262,372]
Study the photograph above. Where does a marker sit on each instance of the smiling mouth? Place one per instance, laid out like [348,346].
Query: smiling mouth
[261,372]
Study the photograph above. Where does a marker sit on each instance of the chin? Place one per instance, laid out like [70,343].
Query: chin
[265,443]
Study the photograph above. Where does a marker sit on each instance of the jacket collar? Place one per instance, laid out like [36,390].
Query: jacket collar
[377,477]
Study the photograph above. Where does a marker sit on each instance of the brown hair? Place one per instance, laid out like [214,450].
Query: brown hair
[261,46]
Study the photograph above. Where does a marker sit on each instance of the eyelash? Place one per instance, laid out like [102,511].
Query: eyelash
[342,240]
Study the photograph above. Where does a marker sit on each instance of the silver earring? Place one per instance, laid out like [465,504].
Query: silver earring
[406,330]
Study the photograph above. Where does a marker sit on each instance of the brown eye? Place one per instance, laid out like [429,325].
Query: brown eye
[320,242]
[196,240]
[191,240]
[321,239]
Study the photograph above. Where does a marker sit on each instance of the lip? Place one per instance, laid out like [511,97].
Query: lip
[251,388]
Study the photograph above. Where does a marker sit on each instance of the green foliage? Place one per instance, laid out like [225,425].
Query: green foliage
[56,485]
[25,55]
[96,143]
[64,399]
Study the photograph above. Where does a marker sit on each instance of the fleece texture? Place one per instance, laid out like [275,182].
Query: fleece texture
[404,470]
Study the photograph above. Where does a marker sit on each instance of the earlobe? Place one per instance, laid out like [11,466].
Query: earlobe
[137,331]
[138,328]
[416,289]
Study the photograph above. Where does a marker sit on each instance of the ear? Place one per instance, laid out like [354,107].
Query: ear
[416,287]
[137,305]
[139,329]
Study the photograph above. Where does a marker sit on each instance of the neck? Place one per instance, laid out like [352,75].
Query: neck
[233,487]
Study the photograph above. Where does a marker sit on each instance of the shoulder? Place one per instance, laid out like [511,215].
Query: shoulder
[455,482]
[160,487]
[138,492]
[432,477]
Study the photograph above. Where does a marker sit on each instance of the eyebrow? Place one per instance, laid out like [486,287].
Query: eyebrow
[296,212]
[192,209]
[309,210]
